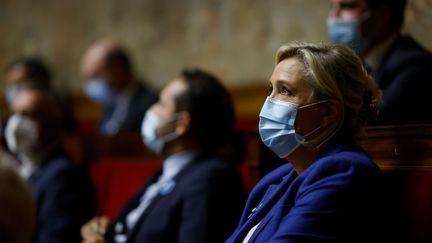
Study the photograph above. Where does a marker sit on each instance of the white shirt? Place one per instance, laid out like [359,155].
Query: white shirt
[26,169]
[121,107]
[170,168]
[29,164]
[250,233]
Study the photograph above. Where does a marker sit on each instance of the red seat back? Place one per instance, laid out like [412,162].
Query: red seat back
[117,181]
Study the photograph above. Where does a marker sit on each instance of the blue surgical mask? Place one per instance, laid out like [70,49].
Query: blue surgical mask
[276,126]
[10,94]
[99,91]
[346,31]
[149,134]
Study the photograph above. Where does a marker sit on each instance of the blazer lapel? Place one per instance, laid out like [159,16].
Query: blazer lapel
[260,213]
[130,205]
[132,234]
[163,192]
[135,201]
[260,227]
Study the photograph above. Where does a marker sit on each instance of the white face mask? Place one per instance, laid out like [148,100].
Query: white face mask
[149,132]
[21,134]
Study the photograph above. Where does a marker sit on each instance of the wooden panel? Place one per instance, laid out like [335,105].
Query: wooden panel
[399,147]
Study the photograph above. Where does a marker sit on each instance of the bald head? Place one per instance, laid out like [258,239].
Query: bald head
[95,58]
[107,59]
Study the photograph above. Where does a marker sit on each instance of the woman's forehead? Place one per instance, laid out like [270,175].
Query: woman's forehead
[290,71]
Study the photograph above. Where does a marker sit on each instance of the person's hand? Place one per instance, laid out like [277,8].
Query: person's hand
[94,230]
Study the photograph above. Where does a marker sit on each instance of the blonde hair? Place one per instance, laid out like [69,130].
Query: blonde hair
[335,72]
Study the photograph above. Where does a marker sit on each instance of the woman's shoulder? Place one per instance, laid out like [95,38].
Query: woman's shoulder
[348,164]
[349,156]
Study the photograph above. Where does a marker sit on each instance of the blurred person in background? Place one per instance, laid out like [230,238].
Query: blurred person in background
[398,63]
[63,192]
[111,82]
[23,70]
[20,71]
[196,196]
[34,71]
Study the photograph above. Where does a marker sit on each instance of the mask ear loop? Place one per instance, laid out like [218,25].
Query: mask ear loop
[312,104]
[173,135]
[316,129]
[319,127]
[312,132]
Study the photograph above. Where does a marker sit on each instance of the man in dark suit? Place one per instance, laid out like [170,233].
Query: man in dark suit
[110,81]
[399,65]
[196,197]
[63,192]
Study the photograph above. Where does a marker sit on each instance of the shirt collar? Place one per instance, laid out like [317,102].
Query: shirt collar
[126,94]
[175,163]
[29,165]
[376,55]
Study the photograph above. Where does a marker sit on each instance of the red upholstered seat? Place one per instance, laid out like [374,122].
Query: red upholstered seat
[417,195]
[116,181]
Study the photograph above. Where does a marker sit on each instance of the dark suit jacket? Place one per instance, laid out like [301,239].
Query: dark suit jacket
[204,206]
[334,200]
[141,100]
[65,200]
[405,78]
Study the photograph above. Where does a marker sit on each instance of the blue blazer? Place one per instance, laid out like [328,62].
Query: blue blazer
[333,200]
[65,200]
[404,76]
[204,205]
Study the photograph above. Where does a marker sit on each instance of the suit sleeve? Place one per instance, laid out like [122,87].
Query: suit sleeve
[324,208]
[67,204]
[211,208]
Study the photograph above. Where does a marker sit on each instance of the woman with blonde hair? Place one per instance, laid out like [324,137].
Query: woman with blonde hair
[329,189]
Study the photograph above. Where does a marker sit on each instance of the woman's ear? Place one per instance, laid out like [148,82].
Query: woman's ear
[183,124]
[332,113]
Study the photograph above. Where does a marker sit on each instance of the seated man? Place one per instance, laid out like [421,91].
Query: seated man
[111,82]
[398,63]
[196,197]
[35,72]
[63,192]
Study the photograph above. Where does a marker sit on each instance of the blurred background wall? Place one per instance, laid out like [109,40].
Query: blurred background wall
[234,39]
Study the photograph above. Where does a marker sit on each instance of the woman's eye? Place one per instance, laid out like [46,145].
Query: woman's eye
[285,91]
